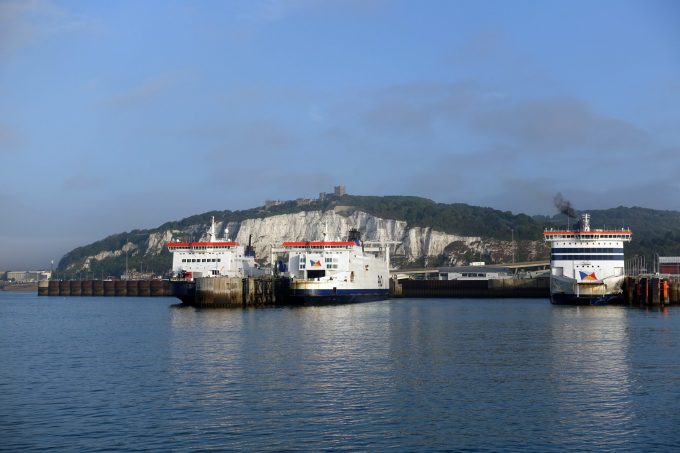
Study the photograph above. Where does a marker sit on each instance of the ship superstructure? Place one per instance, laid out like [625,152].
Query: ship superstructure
[216,257]
[586,265]
[336,271]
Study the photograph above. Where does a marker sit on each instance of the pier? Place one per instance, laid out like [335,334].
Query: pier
[233,292]
[642,290]
[652,290]
[105,288]
[202,292]
[494,288]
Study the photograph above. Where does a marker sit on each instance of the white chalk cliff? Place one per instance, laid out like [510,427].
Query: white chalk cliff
[414,242]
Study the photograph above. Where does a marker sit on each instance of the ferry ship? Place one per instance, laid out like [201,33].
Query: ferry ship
[586,266]
[337,271]
[216,257]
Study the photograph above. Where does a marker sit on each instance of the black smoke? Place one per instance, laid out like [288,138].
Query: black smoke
[564,206]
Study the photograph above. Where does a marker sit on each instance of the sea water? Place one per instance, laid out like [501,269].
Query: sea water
[120,374]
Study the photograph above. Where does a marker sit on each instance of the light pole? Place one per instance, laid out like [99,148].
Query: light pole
[512,231]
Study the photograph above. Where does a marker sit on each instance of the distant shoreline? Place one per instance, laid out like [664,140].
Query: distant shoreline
[20,287]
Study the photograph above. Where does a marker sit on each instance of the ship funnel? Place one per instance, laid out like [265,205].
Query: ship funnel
[250,251]
[354,236]
[585,222]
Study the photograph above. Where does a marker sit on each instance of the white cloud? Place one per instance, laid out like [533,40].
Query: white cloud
[25,22]
[142,93]
[559,124]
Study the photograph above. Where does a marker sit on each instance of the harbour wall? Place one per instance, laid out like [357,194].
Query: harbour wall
[103,288]
[652,290]
[495,288]
[203,292]
[233,292]
[271,291]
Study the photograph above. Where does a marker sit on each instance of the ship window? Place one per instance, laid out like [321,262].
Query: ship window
[219,260]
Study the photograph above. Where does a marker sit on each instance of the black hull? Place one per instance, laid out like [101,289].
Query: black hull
[306,299]
[572,299]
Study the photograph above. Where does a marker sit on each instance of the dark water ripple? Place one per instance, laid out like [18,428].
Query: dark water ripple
[130,374]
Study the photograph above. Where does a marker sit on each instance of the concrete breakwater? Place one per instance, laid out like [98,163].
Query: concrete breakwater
[267,291]
[104,288]
[270,291]
[493,288]
[203,292]
[652,290]
[233,292]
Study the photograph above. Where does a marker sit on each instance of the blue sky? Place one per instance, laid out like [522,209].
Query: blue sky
[127,114]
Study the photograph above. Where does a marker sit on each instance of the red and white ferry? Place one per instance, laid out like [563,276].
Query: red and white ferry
[586,266]
[216,257]
[336,271]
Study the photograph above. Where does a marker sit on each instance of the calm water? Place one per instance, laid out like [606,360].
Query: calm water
[142,374]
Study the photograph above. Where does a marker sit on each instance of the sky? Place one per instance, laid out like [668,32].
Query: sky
[127,114]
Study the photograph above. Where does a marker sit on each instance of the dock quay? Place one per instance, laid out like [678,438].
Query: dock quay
[232,292]
[640,290]
[202,292]
[538,287]
[652,290]
[105,288]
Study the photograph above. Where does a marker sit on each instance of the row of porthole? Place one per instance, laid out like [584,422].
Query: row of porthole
[580,243]
[201,260]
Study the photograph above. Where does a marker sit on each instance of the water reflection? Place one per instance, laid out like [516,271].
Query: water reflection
[407,375]
[414,374]
[591,375]
[305,367]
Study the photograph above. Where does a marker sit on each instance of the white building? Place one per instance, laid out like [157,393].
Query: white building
[28,276]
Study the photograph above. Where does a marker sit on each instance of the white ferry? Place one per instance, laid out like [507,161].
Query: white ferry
[337,271]
[216,257]
[586,266]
